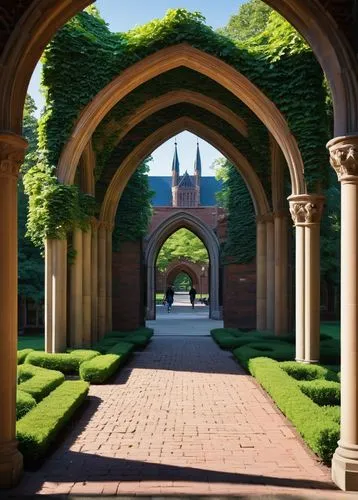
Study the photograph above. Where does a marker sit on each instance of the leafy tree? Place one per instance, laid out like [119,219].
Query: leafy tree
[183,244]
[251,19]
[31,263]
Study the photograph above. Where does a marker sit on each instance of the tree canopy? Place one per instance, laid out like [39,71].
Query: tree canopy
[251,19]
[183,244]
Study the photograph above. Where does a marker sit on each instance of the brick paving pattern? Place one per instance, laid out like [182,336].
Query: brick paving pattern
[182,418]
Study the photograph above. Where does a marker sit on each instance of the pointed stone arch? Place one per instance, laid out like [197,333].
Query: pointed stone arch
[129,165]
[165,60]
[208,237]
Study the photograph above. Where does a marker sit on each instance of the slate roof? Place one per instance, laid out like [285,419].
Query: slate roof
[162,186]
[186,182]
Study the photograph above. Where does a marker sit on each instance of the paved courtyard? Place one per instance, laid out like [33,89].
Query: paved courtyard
[182,418]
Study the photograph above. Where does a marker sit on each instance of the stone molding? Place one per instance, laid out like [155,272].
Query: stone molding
[344,157]
[12,153]
[306,209]
[108,226]
[264,218]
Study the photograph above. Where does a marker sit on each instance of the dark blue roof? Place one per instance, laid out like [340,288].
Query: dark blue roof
[186,181]
[162,186]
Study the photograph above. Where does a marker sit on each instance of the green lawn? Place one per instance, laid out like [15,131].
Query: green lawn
[31,341]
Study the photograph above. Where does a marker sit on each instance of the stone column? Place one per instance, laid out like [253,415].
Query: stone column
[76,292]
[270,273]
[281,273]
[12,149]
[344,159]
[48,294]
[306,211]
[94,280]
[102,274]
[109,278]
[261,273]
[87,285]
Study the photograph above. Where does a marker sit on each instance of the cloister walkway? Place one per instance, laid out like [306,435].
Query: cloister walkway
[181,418]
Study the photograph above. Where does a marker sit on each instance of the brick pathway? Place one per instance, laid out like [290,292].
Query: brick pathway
[181,418]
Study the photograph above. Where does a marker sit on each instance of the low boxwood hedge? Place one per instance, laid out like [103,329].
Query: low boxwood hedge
[315,424]
[300,371]
[22,354]
[322,392]
[275,349]
[38,382]
[37,430]
[24,403]
[99,369]
[147,332]
[124,349]
[64,362]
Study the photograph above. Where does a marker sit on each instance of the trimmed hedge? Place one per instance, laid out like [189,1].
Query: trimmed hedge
[38,382]
[301,371]
[275,349]
[100,368]
[148,332]
[315,424]
[322,392]
[37,430]
[64,362]
[22,354]
[124,349]
[24,403]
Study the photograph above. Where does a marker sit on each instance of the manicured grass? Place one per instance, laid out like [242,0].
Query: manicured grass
[38,382]
[24,403]
[31,341]
[64,362]
[317,425]
[37,430]
[99,369]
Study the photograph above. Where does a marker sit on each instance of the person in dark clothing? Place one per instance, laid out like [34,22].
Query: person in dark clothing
[192,295]
[169,297]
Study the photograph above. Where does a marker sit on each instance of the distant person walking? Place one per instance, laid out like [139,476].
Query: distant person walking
[169,297]
[192,295]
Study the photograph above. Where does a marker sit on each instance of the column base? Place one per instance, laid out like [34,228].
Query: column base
[11,464]
[345,468]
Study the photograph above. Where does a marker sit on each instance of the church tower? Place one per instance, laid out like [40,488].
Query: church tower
[175,176]
[197,173]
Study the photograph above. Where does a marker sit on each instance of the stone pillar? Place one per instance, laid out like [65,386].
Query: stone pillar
[76,291]
[306,211]
[87,286]
[59,295]
[102,274]
[12,149]
[344,159]
[281,273]
[109,278]
[261,274]
[270,273]
[94,280]
[48,294]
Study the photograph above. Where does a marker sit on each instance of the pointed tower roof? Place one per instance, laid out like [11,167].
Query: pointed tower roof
[197,163]
[175,163]
[186,181]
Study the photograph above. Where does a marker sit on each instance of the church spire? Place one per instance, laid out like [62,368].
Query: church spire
[197,163]
[175,166]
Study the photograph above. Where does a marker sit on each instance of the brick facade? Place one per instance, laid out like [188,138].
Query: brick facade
[128,286]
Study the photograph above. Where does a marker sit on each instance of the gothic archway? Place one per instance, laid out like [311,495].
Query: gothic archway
[207,236]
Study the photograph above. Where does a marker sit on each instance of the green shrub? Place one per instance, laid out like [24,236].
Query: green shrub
[39,428]
[64,362]
[300,371]
[333,412]
[24,403]
[137,339]
[278,350]
[38,382]
[322,392]
[315,424]
[22,354]
[100,368]
[147,332]
[124,349]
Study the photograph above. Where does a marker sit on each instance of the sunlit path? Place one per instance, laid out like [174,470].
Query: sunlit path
[182,418]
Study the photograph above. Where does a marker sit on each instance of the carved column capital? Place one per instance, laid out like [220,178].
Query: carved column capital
[344,157]
[306,209]
[12,153]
